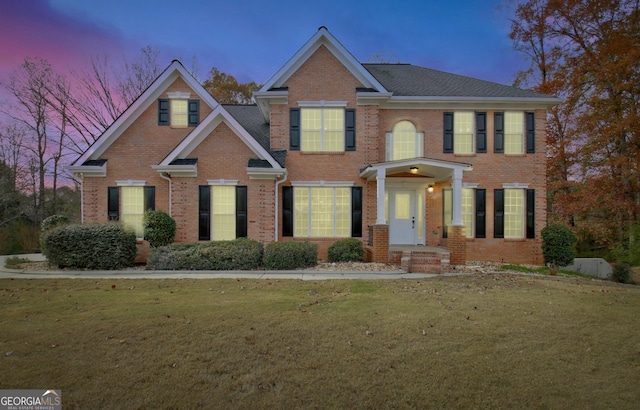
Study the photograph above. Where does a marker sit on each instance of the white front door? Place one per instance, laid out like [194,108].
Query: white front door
[402,217]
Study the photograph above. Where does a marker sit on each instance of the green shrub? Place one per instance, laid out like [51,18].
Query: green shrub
[91,246]
[53,221]
[238,254]
[558,246]
[290,255]
[159,228]
[346,250]
[621,273]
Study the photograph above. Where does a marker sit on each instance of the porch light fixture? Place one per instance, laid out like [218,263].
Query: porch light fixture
[430,189]
[414,170]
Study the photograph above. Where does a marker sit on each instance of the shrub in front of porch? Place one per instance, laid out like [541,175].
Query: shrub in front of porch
[290,255]
[346,250]
[238,254]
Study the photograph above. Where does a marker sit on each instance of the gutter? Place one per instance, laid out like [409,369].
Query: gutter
[167,176]
[277,186]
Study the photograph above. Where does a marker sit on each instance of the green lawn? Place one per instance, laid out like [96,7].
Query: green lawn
[482,341]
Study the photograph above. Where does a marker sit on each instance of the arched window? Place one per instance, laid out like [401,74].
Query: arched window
[404,142]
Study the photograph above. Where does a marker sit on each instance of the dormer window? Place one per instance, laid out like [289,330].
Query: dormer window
[178,111]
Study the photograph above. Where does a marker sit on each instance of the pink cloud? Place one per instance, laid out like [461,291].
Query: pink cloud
[34,29]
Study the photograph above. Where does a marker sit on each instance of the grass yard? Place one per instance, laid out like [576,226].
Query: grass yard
[481,341]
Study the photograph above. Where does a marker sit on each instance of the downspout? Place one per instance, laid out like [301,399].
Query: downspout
[81,176]
[277,201]
[167,176]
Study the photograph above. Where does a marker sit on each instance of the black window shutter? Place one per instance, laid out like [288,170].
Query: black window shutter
[294,129]
[113,203]
[481,132]
[498,213]
[448,133]
[481,213]
[163,111]
[531,213]
[356,212]
[287,211]
[531,133]
[241,212]
[446,194]
[149,198]
[498,126]
[204,213]
[194,112]
[350,129]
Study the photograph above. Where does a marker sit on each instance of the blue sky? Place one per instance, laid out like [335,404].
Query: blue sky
[252,39]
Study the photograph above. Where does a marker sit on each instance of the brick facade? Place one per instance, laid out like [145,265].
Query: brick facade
[323,76]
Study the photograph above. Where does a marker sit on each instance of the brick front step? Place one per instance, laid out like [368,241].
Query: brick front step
[422,261]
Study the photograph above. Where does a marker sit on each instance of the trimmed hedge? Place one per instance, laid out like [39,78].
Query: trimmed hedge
[290,255]
[159,228]
[238,254]
[90,246]
[53,221]
[346,250]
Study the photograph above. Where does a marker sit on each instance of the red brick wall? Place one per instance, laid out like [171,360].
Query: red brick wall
[490,171]
[321,77]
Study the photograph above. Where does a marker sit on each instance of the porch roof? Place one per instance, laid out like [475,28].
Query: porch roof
[436,169]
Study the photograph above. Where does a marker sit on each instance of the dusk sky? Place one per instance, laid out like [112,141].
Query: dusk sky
[252,39]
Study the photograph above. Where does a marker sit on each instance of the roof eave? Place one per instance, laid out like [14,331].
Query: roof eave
[177,170]
[265,173]
[484,102]
[88,170]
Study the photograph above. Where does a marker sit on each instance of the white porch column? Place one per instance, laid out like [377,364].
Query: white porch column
[380,180]
[457,197]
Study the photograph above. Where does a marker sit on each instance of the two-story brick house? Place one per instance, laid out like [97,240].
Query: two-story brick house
[393,154]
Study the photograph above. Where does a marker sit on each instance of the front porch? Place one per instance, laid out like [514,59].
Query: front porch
[416,258]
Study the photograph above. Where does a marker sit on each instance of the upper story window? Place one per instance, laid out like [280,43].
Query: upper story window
[178,111]
[404,142]
[465,132]
[514,132]
[322,129]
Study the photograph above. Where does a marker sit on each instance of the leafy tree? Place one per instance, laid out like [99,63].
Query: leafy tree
[227,90]
[587,52]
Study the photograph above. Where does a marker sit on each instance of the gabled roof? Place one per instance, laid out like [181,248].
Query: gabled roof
[274,91]
[148,97]
[218,116]
[322,38]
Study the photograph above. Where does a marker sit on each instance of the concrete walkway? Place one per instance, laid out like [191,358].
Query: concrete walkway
[157,274]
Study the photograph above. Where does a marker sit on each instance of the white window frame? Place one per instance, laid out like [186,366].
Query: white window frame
[457,133]
[302,209]
[125,217]
[514,212]
[321,105]
[178,119]
[391,142]
[514,137]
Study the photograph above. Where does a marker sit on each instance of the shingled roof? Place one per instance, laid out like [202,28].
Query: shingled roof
[250,118]
[414,81]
